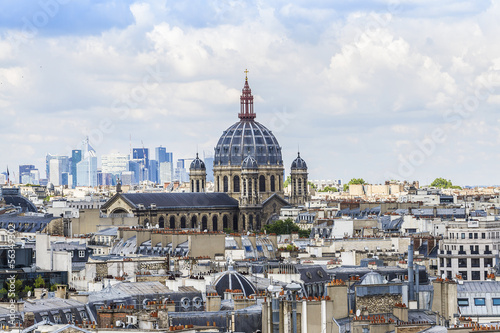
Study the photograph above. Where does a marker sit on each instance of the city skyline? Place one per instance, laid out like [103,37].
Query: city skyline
[380,91]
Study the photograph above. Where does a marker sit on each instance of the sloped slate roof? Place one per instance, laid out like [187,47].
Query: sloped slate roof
[179,200]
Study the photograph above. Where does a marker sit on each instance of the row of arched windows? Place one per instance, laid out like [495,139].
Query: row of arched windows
[237,184]
[193,222]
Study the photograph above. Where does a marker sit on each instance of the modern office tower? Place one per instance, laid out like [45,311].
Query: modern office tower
[86,169]
[180,171]
[141,154]
[34,177]
[135,168]
[165,172]
[24,171]
[127,178]
[76,156]
[209,164]
[161,154]
[55,176]
[153,171]
[65,178]
[64,166]
[114,164]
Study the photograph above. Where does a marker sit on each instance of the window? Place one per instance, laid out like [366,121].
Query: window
[483,235]
[81,253]
[479,302]
[488,262]
[464,275]
[474,262]
[470,235]
[236,184]
[463,235]
[226,184]
[496,301]
[262,184]
[475,235]
[476,275]
[463,302]
[462,262]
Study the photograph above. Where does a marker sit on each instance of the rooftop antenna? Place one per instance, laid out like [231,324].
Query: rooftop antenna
[130,143]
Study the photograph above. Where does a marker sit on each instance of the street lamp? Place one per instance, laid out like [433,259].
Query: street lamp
[294,288]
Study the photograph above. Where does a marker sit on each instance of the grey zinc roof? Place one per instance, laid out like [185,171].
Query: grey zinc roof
[51,304]
[179,200]
[113,231]
[479,287]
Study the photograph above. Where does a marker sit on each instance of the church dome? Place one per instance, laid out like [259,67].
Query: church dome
[249,163]
[197,164]
[247,137]
[299,163]
[234,281]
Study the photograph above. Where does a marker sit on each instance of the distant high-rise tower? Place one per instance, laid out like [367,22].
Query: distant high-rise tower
[86,169]
[76,156]
[25,173]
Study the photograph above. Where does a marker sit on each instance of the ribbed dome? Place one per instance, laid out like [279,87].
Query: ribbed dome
[247,137]
[249,163]
[233,280]
[299,163]
[197,164]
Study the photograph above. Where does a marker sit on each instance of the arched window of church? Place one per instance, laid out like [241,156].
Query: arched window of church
[236,184]
[226,184]
[215,223]
[204,223]
[193,221]
[183,222]
[192,185]
[172,222]
[250,222]
[225,223]
[218,186]
[244,222]
[249,187]
[257,222]
[161,222]
[235,223]
[280,184]
[273,184]
[197,186]
[203,185]
[300,186]
[262,184]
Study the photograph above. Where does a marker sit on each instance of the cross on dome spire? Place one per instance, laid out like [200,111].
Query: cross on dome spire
[246,101]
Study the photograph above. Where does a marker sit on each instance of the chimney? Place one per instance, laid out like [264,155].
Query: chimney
[411,279]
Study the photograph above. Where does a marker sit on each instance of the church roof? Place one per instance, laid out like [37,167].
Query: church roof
[179,200]
[247,137]
[249,163]
[197,164]
[299,163]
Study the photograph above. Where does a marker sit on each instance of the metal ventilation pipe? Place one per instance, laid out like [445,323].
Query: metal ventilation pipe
[411,279]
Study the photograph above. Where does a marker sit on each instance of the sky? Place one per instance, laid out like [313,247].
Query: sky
[380,90]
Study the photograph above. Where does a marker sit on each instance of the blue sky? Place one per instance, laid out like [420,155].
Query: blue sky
[378,90]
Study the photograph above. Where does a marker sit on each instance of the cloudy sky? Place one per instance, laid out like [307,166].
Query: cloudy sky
[386,90]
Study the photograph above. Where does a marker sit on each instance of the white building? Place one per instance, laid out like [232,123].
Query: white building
[114,164]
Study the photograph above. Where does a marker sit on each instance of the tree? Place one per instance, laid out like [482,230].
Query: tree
[286,227]
[287,181]
[443,183]
[329,189]
[354,181]
[39,282]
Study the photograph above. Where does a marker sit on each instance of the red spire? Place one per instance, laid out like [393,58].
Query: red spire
[246,100]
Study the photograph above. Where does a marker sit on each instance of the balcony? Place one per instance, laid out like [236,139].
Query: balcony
[461,252]
[487,252]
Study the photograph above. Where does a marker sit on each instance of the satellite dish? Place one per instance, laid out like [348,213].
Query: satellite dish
[358,312]
[443,276]
[29,293]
